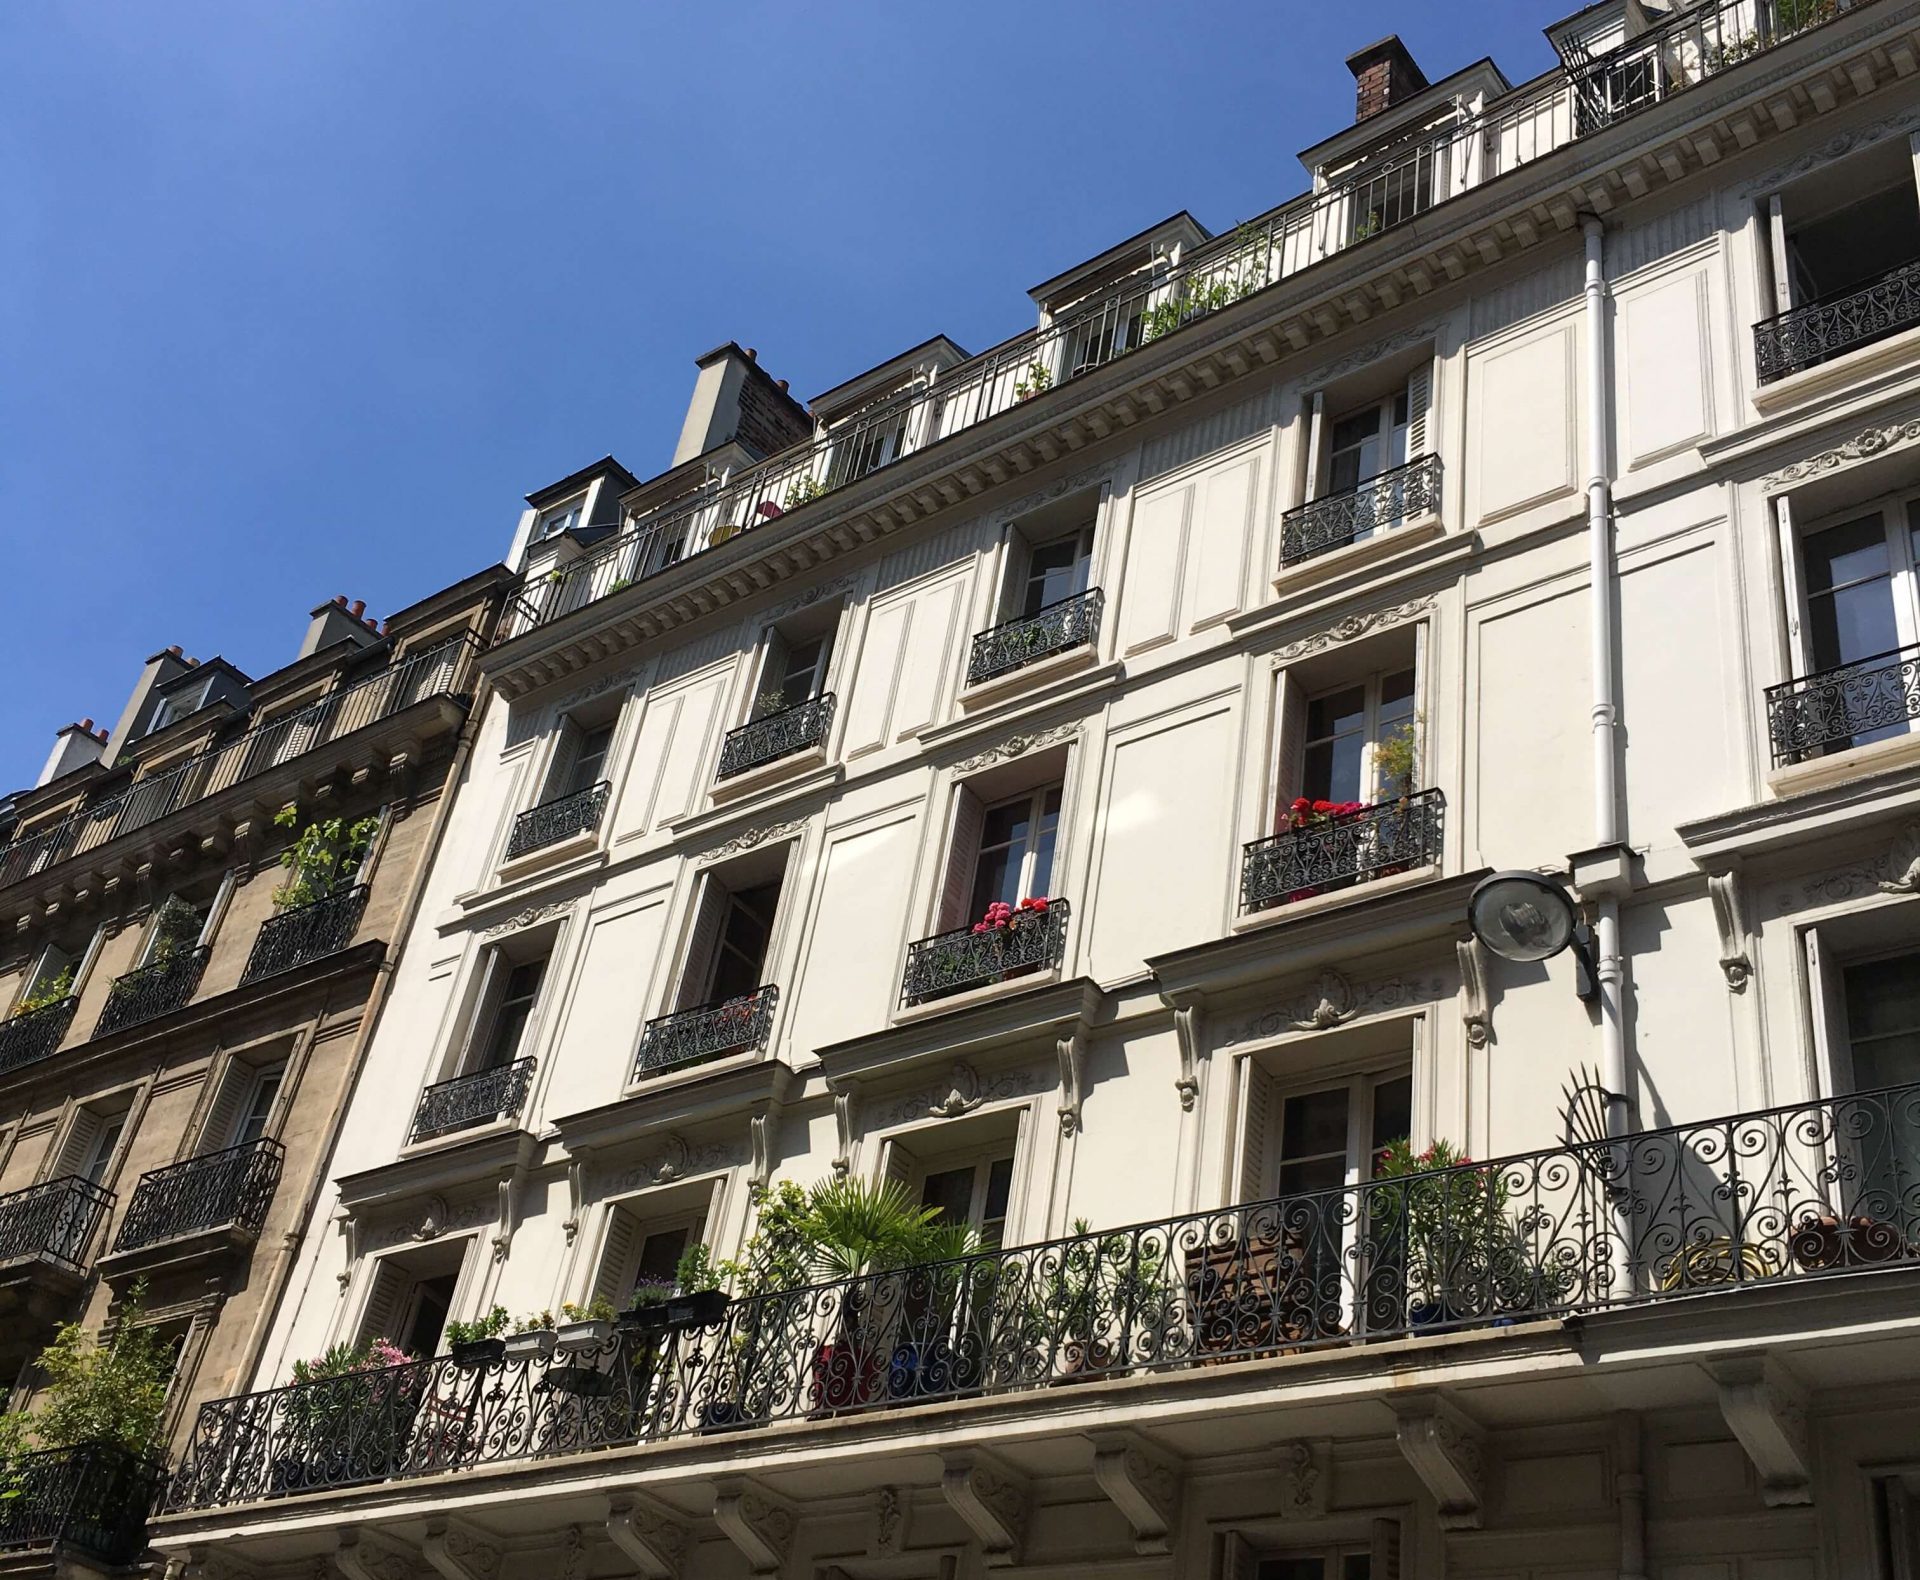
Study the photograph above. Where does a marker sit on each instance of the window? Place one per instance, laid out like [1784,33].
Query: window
[733,929]
[974,1193]
[560,518]
[178,925]
[1896,1500]
[1377,437]
[256,1108]
[505,1034]
[1343,732]
[645,1248]
[410,1296]
[867,442]
[792,670]
[56,969]
[1883,1021]
[581,761]
[1049,572]
[426,1314]
[1337,1563]
[91,1143]
[1370,1552]
[1014,856]
[1860,585]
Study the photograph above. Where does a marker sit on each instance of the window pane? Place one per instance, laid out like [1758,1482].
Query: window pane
[1006,825]
[1332,769]
[999,1189]
[1850,608]
[660,1254]
[995,877]
[951,1190]
[1293,1569]
[431,1298]
[1392,1111]
[1040,880]
[1883,996]
[1314,1125]
[1337,714]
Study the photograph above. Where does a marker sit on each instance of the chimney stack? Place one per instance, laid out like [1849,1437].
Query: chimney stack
[338,621]
[73,747]
[1383,75]
[734,398]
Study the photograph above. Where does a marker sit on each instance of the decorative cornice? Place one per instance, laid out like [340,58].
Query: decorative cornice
[1835,147]
[1353,625]
[600,687]
[526,918]
[1863,446]
[991,1499]
[1383,347]
[813,595]
[1027,503]
[1332,999]
[964,1090]
[753,838]
[1015,746]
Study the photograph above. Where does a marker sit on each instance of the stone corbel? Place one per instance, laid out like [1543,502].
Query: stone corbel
[360,1555]
[1189,1030]
[402,771]
[207,1563]
[577,1165]
[654,1542]
[1306,1475]
[846,1119]
[991,1499]
[143,886]
[1142,1483]
[1447,1451]
[459,1552]
[1730,919]
[1071,1045]
[1903,863]
[1475,1010]
[1766,1409]
[509,1193]
[760,1151]
[350,1227]
[755,1521]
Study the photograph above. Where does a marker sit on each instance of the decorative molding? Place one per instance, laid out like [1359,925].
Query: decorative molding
[1330,1000]
[755,1521]
[1863,446]
[1730,919]
[1766,1409]
[964,1090]
[654,1542]
[813,595]
[573,1554]
[361,1559]
[1354,625]
[1373,353]
[526,918]
[1142,1483]
[1189,1030]
[892,1516]
[508,1196]
[1903,861]
[1843,883]
[1476,1011]
[459,1552]
[1306,1479]
[1447,1450]
[991,1499]
[846,1122]
[676,1159]
[760,1151]
[753,838]
[1071,1046]
[1836,147]
[352,1231]
[1085,478]
[1015,746]
[579,1184]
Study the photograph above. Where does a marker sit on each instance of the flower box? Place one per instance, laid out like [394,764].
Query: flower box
[651,1318]
[698,1310]
[591,1333]
[476,1353]
[536,1344]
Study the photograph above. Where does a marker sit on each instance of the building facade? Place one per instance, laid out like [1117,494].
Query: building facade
[187,1011]
[1054,779]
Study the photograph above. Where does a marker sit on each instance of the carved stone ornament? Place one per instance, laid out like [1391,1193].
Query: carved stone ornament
[1331,999]
[814,595]
[1447,1450]
[676,1159]
[1370,354]
[1476,1013]
[846,1120]
[892,1512]
[1189,1030]
[760,1149]
[1354,625]
[1903,862]
[1143,1484]
[756,1522]
[457,1551]
[1306,1479]
[598,688]
[1058,488]
[753,838]
[526,918]
[1863,446]
[1730,919]
[962,1095]
[1843,883]
[1072,1047]
[434,1220]
[653,1540]
[360,1556]
[1834,148]
[1016,746]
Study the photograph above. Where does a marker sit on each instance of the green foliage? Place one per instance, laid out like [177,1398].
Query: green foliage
[1038,381]
[323,857]
[1245,272]
[803,489]
[15,1444]
[533,1322]
[176,929]
[772,700]
[695,1273]
[50,992]
[491,1326]
[598,1309]
[111,1391]
[1396,759]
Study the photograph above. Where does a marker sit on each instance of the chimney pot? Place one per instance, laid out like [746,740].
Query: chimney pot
[781,385]
[1383,74]
[752,355]
[340,599]
[87,725]
[357,608]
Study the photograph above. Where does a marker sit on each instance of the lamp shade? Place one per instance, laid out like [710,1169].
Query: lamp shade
[1521,915]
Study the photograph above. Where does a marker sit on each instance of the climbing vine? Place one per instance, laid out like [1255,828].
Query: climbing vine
[323,857]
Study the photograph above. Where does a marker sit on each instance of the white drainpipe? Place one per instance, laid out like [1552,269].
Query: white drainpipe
[1603,612]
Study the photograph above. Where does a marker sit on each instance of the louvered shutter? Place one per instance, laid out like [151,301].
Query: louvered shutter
[614,1281]
[236,1086]
[902,1168]
[963,856]
[1419,404]
[1792,597]
[382,1312]
[1256,1127]
[709,918]
[566,754]
[1384,1558]
[1777,253]
[80,1139]
[1290,743]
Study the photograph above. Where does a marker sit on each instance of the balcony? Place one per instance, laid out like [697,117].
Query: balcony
[47,1229]
[1058,628]
[94,1498]
[34,1034]
[153,990]
[773,736]
[468,1101]
[1727,1207]
[1851,705]
[218,1194]
[416,678]
[306,933]
[1378,505]
[971,957]
[1804,337]
[1690,46]
[694,1036]
[558,819]
[1335,852]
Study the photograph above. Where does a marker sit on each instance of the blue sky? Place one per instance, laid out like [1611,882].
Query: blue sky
[300,296]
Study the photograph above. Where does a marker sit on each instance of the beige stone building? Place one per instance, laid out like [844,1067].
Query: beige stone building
[184,1023]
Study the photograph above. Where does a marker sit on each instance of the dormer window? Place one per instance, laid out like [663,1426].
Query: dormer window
[561,518]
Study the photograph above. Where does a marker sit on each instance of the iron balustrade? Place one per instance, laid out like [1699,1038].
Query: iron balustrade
[1805,336]
[1376,505]
[94,1497]
[1068,623]
[1355,205]
[1335,852]
[578,812]
[229,1189]
[53,1222]
[431,672]
[1787,1197]
[157,988]
[775,735]
[693,1036]
[952,962]
[1850,705]
[468,1101]
[306,933]
[34,1034]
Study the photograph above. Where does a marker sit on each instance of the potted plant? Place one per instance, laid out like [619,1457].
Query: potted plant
[803,489]
[349,1415]
[478,1343]
[1443,1234]
[532,1337]
[586,1327]
[647,1309]
[1038,380]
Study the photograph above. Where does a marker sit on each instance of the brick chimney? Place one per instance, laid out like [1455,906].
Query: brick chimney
[338,621]
[735,398]
[1383,75]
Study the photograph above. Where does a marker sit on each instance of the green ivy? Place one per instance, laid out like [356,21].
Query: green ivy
[323,857]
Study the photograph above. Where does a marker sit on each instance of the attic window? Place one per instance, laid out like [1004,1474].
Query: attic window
[561,518]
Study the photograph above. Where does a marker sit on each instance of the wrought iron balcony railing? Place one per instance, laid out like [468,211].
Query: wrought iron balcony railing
[1069,623]
[230,1189]
[34,1034]
[94,1497]
[306,933]
[1693,44]
[1851,705]
[469,1101]
[561,818]
[952,962]
[428,673]
[1785,1197]
[693,1036]
[158,988]
[775,735]
[53,1222]
[1377,505]
[1805,336]
[1334,852]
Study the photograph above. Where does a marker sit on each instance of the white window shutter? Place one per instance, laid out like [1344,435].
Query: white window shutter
[704,943]
[902,1167]
[236,1086]
[1290,743]
[963,856]
[382,1312]
[79,1142]
[618,1259]
[1419,403]
[1256,1127]
[1777,255]
[1384,1559]
[1792,596]
[1316,447]
[565,755]
[773,669]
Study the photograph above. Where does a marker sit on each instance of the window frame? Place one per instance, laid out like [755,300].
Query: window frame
[565,516]
[1899,513]
[1035,801]
[1370,731]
